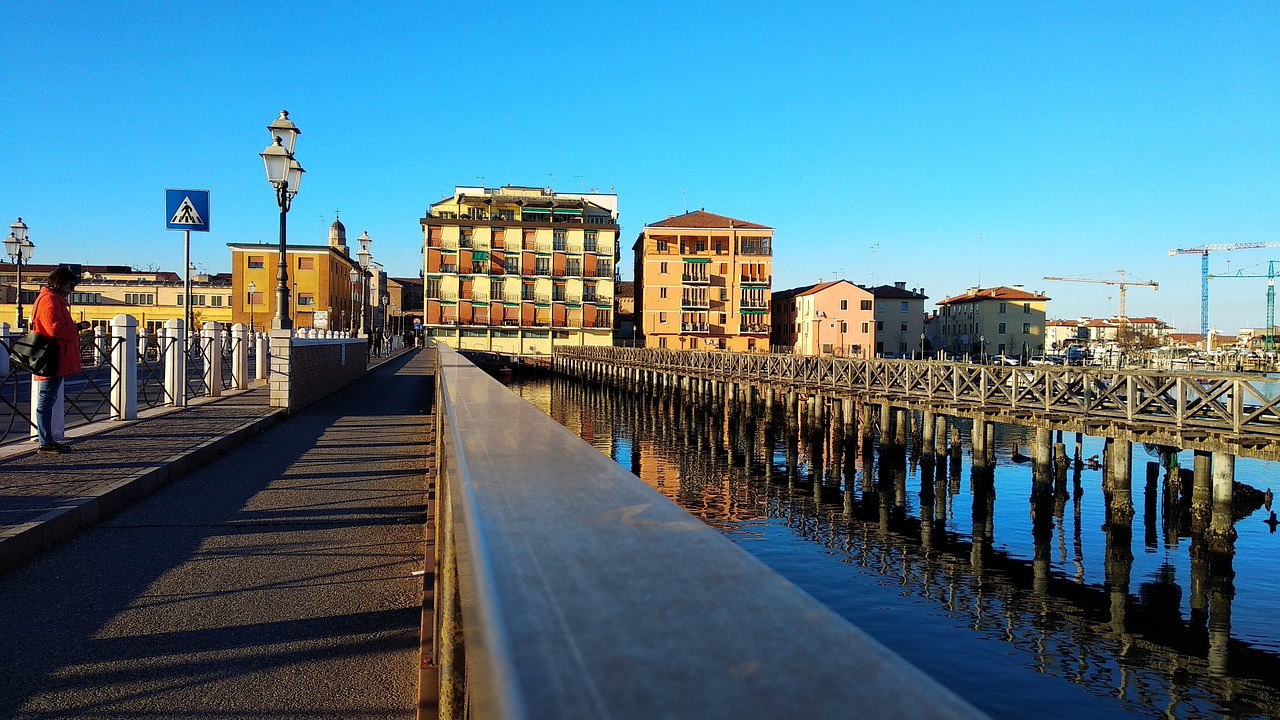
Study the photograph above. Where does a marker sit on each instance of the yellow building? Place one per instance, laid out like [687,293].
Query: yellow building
[105,291]
[992,321]
[321,294]
[702,282]
[520,270]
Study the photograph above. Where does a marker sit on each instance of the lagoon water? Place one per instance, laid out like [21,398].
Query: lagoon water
[1047,617]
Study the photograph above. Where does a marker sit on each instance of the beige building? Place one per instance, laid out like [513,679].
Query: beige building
[703,283]
[899,316]
[992,321]
[151,297]
[519,270]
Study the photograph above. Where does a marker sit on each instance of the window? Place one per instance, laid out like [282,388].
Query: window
[865,305]
[1001,330]
[844,304]
[1026,328]
[255,261]
[905,309]
[306,263]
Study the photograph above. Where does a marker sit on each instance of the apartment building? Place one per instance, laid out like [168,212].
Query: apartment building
[832,318]
[899,319]
[703,283]
[519,270]
[987,321]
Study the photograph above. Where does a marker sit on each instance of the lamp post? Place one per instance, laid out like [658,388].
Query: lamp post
[251,288]
[285,175]
[355,278]
[19,249]
[365,258]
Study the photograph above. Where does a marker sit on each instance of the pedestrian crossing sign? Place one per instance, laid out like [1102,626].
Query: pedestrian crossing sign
[186,210]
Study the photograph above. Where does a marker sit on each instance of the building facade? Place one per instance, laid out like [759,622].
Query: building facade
[519,270]
[321,293]
[151,297]
[833,318]
[899,321]
[703,282]
[993,321]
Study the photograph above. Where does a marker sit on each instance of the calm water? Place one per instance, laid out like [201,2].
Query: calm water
[1049,618]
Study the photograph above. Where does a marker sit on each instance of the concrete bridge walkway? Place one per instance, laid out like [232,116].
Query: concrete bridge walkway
[277,579]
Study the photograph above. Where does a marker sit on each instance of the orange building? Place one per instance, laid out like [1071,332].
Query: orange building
[702,282]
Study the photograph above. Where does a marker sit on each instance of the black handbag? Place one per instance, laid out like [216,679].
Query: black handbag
[35,353]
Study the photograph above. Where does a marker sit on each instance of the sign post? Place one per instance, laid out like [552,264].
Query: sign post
[188,211]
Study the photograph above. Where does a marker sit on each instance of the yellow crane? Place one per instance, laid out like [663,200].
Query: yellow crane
[1123,283]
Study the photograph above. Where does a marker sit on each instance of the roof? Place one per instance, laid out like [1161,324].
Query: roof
[893,291]
[808,289]
[704,219]
[995,293]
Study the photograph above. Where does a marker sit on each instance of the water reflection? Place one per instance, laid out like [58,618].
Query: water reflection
[1121,626]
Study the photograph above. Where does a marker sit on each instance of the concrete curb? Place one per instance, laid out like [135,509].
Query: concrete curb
[21,542]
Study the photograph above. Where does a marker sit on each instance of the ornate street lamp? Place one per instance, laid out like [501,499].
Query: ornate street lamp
[365,258]
[252,288]
[355,278]
[19,249]
[285,175]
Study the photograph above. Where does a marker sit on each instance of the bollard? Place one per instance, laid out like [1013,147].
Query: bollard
[124,368]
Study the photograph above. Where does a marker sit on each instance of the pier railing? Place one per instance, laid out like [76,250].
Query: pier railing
[1175,408]
[566,587]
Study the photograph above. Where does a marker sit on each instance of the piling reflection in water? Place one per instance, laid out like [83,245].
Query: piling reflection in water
[917,510]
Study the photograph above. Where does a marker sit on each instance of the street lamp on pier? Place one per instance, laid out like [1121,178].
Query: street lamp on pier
[19,249]
[285,175]
[365,258]
[355,280]
[251,289]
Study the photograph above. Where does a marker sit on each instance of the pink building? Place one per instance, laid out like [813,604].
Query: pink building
[832,318]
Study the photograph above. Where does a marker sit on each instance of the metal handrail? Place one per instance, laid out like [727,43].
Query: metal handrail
[558,573]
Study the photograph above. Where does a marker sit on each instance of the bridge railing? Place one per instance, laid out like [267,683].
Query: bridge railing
[1228,403]
[566,587]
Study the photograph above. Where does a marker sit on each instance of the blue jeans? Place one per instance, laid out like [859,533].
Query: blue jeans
[46,401]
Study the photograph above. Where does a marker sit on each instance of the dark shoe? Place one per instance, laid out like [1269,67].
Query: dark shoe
[51,449]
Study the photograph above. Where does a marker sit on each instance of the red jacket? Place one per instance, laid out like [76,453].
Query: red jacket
[51,317]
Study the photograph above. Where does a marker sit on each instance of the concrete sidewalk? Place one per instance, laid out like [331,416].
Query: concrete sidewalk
[281,579]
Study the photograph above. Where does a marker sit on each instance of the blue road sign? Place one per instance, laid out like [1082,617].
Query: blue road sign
[186,210]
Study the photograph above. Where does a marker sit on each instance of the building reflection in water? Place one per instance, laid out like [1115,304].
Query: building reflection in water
[740,471]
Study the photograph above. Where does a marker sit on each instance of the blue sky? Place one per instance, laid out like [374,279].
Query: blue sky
[939,144]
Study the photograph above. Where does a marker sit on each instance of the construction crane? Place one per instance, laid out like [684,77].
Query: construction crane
[1203,251]
[1270,342]
[1122,283]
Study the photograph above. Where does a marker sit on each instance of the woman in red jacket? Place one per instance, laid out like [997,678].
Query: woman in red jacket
[51,317]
